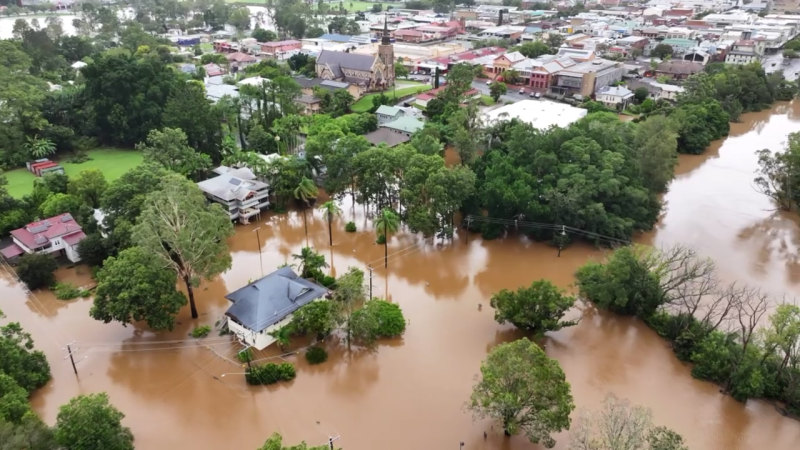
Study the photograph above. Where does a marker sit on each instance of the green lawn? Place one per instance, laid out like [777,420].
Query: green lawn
[364,104]
[112,162]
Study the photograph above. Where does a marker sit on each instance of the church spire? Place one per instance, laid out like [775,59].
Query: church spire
[385,39]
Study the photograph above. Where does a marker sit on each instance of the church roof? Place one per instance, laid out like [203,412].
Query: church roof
[339,60]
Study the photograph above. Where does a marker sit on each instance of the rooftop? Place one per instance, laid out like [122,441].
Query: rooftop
[269,300]
[228,186]
[405,124]
[542,114]
[37,234]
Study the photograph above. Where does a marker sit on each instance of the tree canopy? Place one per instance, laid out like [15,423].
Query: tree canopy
[538,308]
[89,422]
[525,390]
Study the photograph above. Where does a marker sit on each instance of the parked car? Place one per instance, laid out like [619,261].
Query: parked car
[488,81]
[532,94]
[521,91]
[537,95]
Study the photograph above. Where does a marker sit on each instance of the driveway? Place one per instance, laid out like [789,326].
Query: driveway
[512,95]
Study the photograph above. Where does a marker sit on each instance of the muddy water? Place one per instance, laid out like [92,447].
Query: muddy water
[409,393]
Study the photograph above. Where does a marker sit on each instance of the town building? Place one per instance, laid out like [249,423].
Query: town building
[279,48]
[541,114]
[60,234]
[615,97]
[745,51]
[586,78]
[238,60]
[677,69]
[388,114]
[372,72]
[238,191]
[268,304]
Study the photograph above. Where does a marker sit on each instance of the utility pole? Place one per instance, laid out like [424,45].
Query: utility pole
[71,358]
[469,221]
[260,261]
[561,237]
[331,439]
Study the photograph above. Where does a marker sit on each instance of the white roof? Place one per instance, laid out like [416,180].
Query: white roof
[78,65]
[254,81]
[542,114]
[617,91]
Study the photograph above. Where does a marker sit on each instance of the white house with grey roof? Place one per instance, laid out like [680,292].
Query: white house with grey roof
[238,191]
[268,304]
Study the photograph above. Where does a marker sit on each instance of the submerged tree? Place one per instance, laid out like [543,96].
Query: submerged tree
[306,191]
[186,233]
[779,174]
[330,208]
[524,389]
[386,222]
[538,308]
[90,422]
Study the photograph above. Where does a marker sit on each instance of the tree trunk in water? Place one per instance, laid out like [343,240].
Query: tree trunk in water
[190,291]
[330,230]
[385,247]
[305,224]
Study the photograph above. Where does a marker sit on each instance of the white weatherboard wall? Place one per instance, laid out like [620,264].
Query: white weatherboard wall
[259,340]
[542,114]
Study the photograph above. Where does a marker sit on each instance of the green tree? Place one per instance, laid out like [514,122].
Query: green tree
[662,51]
[400,70]
[330,208]
[40,147]
[19,360]
[525,390]
[337,103]
[56,204]
[554,40]
[169,147]
[184,232]
[240,18]
[125,197]
[779,174]
[89,186]
[30,434]
[36,270]
[93,249]
[538,308]
[13,400]
[640,94]
[275,442]
[386,222]
[497,89]
[317,318]
[533,49]
[377,319]
[135,287]
[310,262]
[262,35]
[89,422]
[623,284]
[306,191]
[189,110]
[655,145]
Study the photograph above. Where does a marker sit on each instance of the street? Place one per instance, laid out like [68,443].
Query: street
[512,95]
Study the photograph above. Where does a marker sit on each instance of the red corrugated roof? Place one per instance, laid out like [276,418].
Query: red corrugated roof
[36,234]
[12,251]
[74,238]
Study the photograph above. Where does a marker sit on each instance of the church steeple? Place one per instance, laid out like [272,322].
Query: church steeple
[385,38]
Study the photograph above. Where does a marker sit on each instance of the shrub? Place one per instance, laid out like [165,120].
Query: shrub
[316,355]
[201,331]
[378,318]
[270,373]
[350,227]
[245,355]
[327,281]
[381,239]
[68,291]
[36,270]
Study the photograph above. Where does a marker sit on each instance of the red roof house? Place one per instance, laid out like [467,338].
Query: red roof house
[51,235]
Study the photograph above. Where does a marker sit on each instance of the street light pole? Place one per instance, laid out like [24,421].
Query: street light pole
[260,261]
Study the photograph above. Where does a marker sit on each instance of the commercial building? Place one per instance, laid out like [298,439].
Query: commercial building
[586,78]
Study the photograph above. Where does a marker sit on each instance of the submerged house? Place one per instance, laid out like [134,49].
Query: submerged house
[267,304]
[238,191]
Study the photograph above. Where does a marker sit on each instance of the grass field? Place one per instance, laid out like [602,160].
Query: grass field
[112,162]
[364,104]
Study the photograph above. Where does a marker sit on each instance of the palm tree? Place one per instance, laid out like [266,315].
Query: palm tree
[331,209]
[306,191]
[387,221]
[40,147]
[310,262]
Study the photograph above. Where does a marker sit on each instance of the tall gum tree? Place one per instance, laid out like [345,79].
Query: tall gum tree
[185,232]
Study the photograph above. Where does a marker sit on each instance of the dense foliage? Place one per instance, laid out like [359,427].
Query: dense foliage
[316,355]
[588,176]
[779,174]
[525,390]
[18,359]
[377,319]
[270,373]
[136,287]
[36,270]
[275,442]
[89,422]
[538,308]
[718,327]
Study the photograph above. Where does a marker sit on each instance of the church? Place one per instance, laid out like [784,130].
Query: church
[370,72]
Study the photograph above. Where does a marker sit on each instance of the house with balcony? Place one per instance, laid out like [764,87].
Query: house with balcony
[268,304]
[615,97]
[60,234]
[237,191]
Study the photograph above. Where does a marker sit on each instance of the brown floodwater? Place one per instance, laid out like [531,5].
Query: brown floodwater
[409,393]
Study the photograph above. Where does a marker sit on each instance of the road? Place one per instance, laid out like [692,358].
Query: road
[512,95]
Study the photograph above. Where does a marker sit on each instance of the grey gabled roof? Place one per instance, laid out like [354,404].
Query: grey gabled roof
[269,300]
[338,60]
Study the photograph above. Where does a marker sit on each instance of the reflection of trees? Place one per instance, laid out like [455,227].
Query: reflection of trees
[441,270]
[778,238]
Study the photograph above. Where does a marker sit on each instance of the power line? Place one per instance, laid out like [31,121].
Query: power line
[517,223]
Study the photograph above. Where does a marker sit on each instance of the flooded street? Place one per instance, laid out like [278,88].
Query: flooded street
[410,393]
